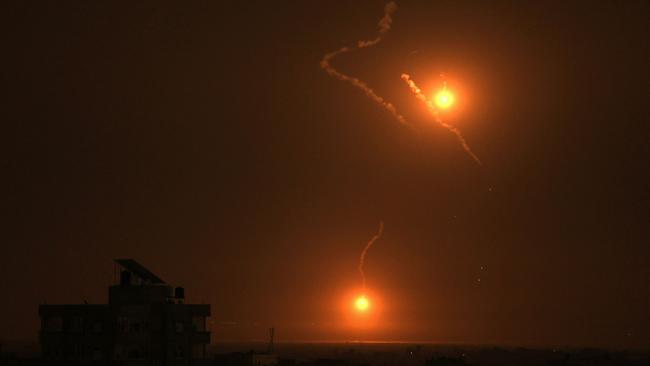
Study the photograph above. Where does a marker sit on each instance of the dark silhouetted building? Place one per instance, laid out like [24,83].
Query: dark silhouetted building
[145,322]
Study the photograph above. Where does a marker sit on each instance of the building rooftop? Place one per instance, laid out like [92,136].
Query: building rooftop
[139,270]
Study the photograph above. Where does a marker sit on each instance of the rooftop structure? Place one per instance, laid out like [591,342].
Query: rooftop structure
[146,322]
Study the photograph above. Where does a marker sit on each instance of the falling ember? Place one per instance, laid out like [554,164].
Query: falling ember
[444,99]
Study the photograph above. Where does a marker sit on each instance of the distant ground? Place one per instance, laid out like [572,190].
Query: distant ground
[359,353]
[374,353]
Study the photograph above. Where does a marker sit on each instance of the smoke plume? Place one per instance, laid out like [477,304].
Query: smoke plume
[436,115]
[384,26]
[362,259]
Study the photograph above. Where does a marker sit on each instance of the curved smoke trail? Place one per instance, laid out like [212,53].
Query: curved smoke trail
[362,259]
[384,26]
[436,115]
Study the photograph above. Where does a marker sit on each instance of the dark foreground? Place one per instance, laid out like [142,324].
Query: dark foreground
[370,354]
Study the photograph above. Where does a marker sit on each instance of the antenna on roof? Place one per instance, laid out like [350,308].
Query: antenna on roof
[271,336]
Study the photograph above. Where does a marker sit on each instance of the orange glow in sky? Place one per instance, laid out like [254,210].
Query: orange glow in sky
[362,312]
[361,303]
[444,99]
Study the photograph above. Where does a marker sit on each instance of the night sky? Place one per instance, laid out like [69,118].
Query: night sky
[204,141]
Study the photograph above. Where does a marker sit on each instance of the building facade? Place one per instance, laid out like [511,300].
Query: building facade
[146,322]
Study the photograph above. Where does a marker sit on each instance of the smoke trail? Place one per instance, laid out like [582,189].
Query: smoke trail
[362,259]
[436,115]
[384,26]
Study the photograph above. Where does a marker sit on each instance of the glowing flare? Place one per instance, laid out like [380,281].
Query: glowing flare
[431,106]
[444,99]
[362,303]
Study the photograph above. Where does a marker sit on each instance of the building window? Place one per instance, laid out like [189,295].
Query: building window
[198,351]
[123,352]
[77,352]
[52,352]
[119,352]
[97,353]
[97,327]
[180,352]
[76,324]
[135,353]
[198,322]
[136,327]
[57,352]
[179,327]
[54,324]
[123,324]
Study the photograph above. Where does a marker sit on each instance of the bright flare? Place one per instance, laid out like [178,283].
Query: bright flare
[362,303]
[432,106]
[444,99]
